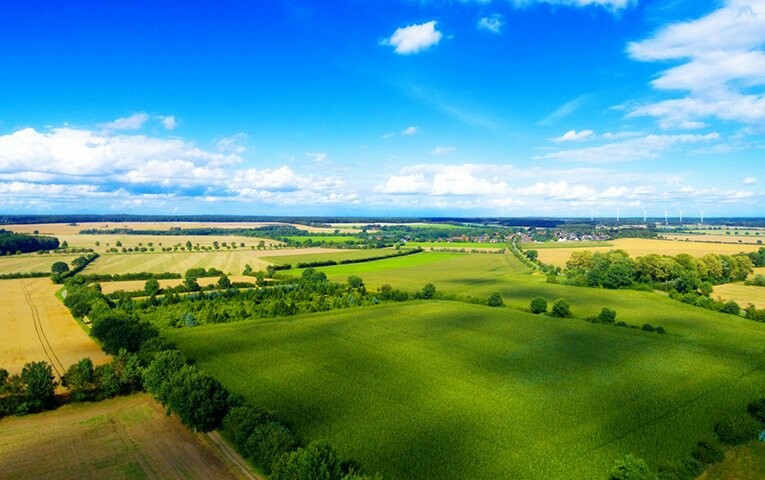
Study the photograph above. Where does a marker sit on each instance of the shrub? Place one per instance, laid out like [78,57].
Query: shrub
[560,308]
[495,300]
[708,453]
[737,430]
[607,315]
[631,468]
[660,330]
[730,307]
[538,305]
[428,291]
[648,327]
[757,409]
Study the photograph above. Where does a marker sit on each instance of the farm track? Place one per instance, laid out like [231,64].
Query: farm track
[44,342]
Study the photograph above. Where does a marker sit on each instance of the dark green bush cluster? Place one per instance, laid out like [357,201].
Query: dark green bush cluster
[11,243]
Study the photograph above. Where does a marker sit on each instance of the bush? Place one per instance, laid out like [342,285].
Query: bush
[607,315]
[730,307]
[708,453]
[757,409]
[660,330]
[538,305]
[495,300]
[631,468]
[560,308]
[648,327]
[428,291]
[737,430]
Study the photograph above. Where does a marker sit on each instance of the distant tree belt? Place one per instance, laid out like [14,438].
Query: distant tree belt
[78,264]
[19,242]
[12,276]
[119,277]
[270,231]
[327,263]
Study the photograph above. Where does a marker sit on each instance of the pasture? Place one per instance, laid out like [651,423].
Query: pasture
[36,326]
[638,247]
[32,262]
[231,262]
[435,389]
[122,438]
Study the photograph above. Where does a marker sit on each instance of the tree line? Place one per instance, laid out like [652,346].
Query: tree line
[13,243]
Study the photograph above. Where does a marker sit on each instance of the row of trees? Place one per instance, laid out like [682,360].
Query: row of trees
[682,273]
[11,243]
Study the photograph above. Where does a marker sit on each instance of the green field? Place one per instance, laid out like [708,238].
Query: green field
[32,262]
[329,255]
[326,238]
[450,390]
[446,389]
[458,245]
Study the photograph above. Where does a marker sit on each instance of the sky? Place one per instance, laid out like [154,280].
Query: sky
[455,108]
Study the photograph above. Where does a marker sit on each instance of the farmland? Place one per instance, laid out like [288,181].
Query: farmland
[436,389]
[123,438]
[638,247]
[29,263]
[458,245]
[37,326]
[717,238]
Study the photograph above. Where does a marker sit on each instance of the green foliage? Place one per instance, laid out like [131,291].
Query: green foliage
[737,430]
[317,461]
[428,291]
[267,442]
[757,409]
[607,315]
[631,468]
[117,330]
[80,380]
[730,307]
[708,453]
[538,305]
[11,242]
[224,282]
[560,308]
[59,267]
[151,287]
[39,386]
[495,300]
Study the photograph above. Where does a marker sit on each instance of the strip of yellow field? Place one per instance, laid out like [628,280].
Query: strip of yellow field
[638,247]
[136,285]
[37,326]
[73,229]
[741,294]
[717,238]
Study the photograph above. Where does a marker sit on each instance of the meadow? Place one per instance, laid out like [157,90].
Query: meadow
[122,438]
[638,247]
[438,389]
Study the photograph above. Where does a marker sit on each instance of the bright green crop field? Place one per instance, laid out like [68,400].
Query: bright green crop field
[450,390]
[458,245]
[334,255]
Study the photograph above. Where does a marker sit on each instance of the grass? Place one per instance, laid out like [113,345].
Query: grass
[126,438]
[436,389]
[746,462]
[336,255]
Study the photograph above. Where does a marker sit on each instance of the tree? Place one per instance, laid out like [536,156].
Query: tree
[80,380]
[151,287]
[607,315]
[64,244]
[355,282]
[631,468]
[191,284]
[157,375]
[224,282]
[731,307]
[532,255]
[267,442]
[738,430]
[198,399]
[117,243]
[116,330]
[495,300]
[428,291]
[538,305]
[560,308]
[40,386]
[59,268]
[317,461]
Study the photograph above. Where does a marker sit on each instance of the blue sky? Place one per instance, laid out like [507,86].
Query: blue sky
[371,107]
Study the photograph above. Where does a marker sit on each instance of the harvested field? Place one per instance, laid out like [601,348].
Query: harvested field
[717,238]
[67,229]
[122,438]
[637,247]
[231,262]
[32,262]
[105,242]
[37,326]
[135,285]
[741,294]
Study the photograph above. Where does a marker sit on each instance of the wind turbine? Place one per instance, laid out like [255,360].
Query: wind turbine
[681,216]
[618,212]
[645,213]
[702,217]
[666,217]
[592,215]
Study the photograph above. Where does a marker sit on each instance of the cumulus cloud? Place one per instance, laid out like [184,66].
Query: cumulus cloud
[442,151]
[492,23]
[169,121]
[80,164]
[749,180]
[722,67]
[409,131]
[646,147]
[133,122]
[414,38]
[573,135]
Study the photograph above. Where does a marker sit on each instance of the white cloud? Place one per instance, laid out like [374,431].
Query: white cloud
[169,121]
[442,151]
[318,158]
[609,4]
[414,38]
[133,122]
[749,180]
[564,110]
[722,64]
[649,146]
[492,23]
[573,135]
[409,131]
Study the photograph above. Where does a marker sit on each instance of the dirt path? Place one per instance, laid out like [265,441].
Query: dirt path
[233,457]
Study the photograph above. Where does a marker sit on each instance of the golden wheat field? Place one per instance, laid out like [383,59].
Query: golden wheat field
[36,326]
